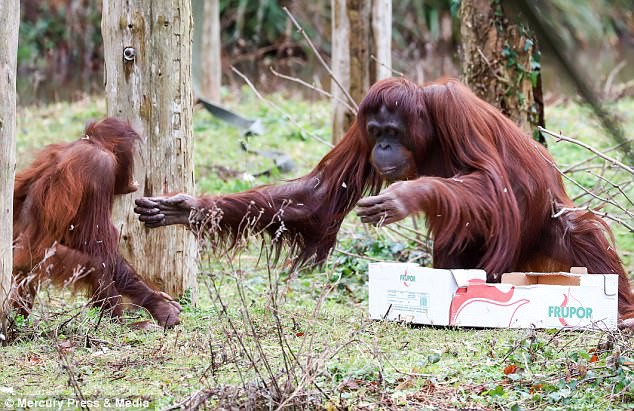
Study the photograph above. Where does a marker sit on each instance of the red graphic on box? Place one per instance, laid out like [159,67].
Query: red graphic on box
[480,291]
[405,274]
[564,303]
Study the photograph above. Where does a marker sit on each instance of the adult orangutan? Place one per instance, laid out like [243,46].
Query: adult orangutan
[490,194]
[62,222]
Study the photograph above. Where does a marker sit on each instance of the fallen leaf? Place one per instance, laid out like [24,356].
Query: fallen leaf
[536,387]
[34,359]
[510,369]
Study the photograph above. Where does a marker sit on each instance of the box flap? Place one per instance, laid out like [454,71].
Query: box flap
[392,266]
[464,277]
[541,278]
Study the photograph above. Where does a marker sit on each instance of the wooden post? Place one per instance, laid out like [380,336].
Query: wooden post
[350,58]
[9,25]
[381,40]
[147,49]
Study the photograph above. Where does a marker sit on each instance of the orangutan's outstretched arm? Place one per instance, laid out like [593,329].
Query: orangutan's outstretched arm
[259,207]
[291,214]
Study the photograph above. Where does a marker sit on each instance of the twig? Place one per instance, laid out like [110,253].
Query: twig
[193,401]
[285,387]
[589,148]
[235,331]
[493,70]
[602,166]
[604,200]
[414,230]
[602,214]
[278,108]
[575,182]
[618,187]
[68,367]
[312,87]
[608,83]
[412,239]
[622,88]
[386,66]
[409,374]
[322,61]
[605,190]
[574,167]
[363,257]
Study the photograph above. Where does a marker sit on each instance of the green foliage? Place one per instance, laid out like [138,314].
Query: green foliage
[454,7]
[261,22]
[593,22]
[541,374]
[420,22]
[348,266]
[186,299]
[60,48]
[376,247]
[524,61]
[41,35]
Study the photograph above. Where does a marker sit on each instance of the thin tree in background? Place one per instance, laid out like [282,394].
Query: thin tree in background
[500,63]
[350,59]
[207,66]
[147,49]
[9,25]
[381,64]
[360,30]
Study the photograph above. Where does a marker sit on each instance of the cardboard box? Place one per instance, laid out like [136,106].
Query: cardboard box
[420,295]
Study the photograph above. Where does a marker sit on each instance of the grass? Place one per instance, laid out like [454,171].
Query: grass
[312,330]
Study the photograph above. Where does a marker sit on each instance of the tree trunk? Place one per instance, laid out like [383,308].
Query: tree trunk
[9,24]
[350,58]
[210,58]
[207,67]
[381,65]
[147,48]
[500,63]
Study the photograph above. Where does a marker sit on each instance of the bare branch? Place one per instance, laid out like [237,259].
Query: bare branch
[400,74]
[359,256]
[603,214]
[493,70]
[602,199]
[425,247]
[322,61]
[312,87]
[616,186]
[278,108]
[560,136]
[608,83]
